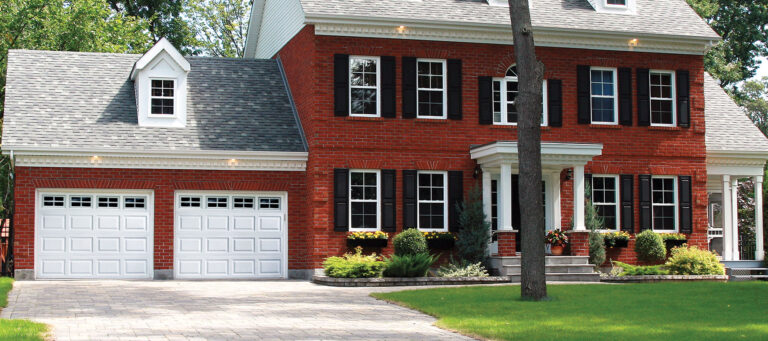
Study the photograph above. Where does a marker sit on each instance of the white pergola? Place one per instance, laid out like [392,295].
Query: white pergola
[500,160]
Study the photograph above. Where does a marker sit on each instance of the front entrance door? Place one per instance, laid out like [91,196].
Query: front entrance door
[516,214]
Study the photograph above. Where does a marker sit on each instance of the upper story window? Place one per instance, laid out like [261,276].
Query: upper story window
[431,98]
[663,111]
[663,194]
[364,87]
[615,6]
[605,197]
[162,96]
[605,105]
[432,201]
[622,3]
[364,199]
[505,91]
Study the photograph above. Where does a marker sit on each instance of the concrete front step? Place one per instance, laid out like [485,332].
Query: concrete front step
[560,268]
[564,277]
[498,261]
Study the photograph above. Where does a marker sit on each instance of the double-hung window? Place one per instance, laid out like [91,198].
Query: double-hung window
[662,91]
[162,97]
[663,192]
[431,97]
[432,201]
[605,198]
[619,3]
[603,88]
[364,199]
[364,90]
[505,91]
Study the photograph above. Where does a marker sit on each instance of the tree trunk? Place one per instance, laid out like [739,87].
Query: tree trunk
[529,108]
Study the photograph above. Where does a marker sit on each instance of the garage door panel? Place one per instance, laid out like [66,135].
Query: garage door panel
[217,245]
[245,223]
[269,245]
[136,223]
[109,223]
[243,244]
[108,245]
[54,222]
[81,222]
[81,244]
[53,244]
[135,245]
[216,267]
[193,245]
[270,223]
[218,223]
[243,267]
[136,267]
[81,267]
[191,268]
[269,267]
[194,223]
[53,267]
[108,267]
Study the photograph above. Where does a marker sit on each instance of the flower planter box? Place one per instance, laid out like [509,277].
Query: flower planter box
[674,243]
[441,244]
[352,243]
[617,243]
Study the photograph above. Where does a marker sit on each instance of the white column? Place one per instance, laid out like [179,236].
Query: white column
[727,221]
[735,217]
[487,194]
[505,184]
[760,251]
[554,184]
[578,198]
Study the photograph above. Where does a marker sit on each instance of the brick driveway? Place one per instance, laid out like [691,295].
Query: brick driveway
[187,310]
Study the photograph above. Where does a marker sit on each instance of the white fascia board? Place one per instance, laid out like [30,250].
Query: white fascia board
[738,154]
[160,46]
[202,154]
[547,148]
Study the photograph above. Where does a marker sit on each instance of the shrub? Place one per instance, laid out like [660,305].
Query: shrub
[461,270]
[353,265]
[673,236]
[694,261]
[633,270]
[650,247]
[409,242]
[472,243]
[367,235]
[415,265]
[596,248]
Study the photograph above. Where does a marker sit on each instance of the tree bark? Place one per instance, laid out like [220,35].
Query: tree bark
[529,108]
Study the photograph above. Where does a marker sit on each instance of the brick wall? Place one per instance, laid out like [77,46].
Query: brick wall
[378,143]
[163,183]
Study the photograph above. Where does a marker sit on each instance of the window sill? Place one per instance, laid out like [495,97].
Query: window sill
[661,128]
[431,120]
[514,126]
[363,118]
[605,126]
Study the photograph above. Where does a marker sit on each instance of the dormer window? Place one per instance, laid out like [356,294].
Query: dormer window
[160,79]
[621,3]
[614,6]
[162,96]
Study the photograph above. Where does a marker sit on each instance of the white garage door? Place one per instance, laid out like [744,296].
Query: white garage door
[93,234]
[230,235]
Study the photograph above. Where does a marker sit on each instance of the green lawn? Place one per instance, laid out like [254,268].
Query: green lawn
[18,329]
[654,311]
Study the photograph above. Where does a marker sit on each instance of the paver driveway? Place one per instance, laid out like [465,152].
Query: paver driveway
[188,310]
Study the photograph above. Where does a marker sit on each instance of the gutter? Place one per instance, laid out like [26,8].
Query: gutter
[170,154]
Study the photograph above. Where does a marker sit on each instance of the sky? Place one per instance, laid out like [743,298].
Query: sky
[763,71]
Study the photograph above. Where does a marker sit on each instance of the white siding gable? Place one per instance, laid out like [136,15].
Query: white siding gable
[162,62]
[280,21]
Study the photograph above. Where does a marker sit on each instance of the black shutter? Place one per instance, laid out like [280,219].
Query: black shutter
[646,216]
[388,207]
[516,202]
[583,79]
[388,87]
[341,84]
[455,197]
[409,87]
[643,97]
[555,102]
[627,209]
[454,89]
[409,199]
[625,96]
[683,99]
[341,200]
[484,100]
[686,211]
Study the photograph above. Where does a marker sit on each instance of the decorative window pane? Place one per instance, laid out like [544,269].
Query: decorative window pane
[269,203]
[53,201]
[240,202]
[505,92]
[135,202]
[664,209]
[603,88]
[80,202]
[217,202]
[190,201]
[162,97]
[363,86]
[605,199]
[363,199]
[431,94]
[662,98]
[432,201]
[494,205]
[109,202]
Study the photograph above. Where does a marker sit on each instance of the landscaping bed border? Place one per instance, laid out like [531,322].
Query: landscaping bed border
[664,278]
[407,281]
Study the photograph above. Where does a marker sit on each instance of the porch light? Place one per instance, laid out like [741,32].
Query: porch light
[232,162]
[569,174]
[95,159]
[401,29]
[633,42]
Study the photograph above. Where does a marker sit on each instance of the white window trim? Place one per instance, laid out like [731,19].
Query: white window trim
[377,87]
[674,97]
[174,98]
[444,202]
[205,202]
[607,5]
[615,95]
[377,201]
[445,88]
[617,197]
[675,204]
[503,92]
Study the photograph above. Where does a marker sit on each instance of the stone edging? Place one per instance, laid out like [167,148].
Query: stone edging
[406,281]
[664,278]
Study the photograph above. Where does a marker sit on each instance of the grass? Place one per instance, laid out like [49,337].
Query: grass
[21,330]
[653,311]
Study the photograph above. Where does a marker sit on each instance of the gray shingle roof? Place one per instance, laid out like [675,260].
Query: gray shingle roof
[86,101]
[667,17]
[728,127]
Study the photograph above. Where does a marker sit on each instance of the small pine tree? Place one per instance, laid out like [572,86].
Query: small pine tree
[596,241]
[472,243]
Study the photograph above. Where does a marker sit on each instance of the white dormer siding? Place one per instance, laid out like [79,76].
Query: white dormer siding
[160,80]
[614,6]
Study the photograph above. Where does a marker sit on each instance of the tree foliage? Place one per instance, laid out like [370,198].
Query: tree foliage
[165,19]
[220,25]
[472,240]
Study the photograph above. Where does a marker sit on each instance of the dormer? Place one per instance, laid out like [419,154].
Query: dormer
[160,81]
[614,6]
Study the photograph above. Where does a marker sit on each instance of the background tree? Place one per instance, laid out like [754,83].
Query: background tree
[220,25]
[752,97]
[165,19]
[529,106]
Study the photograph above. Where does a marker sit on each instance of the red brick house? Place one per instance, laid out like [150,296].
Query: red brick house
[369,115]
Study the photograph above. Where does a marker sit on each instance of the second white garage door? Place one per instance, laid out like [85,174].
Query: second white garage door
[221,235]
